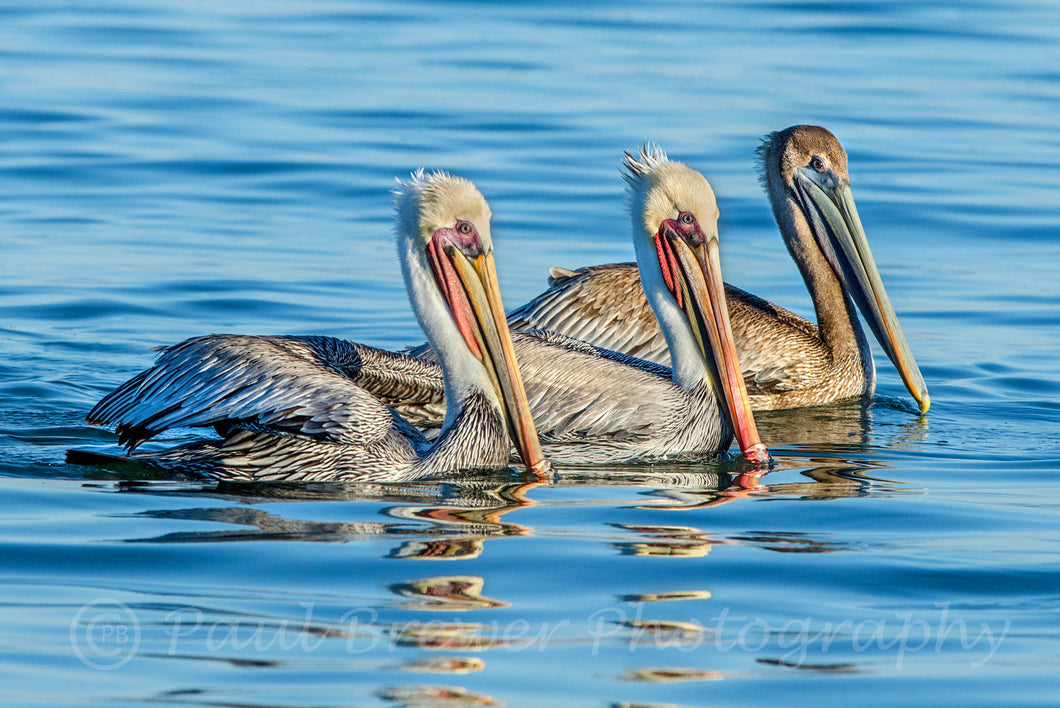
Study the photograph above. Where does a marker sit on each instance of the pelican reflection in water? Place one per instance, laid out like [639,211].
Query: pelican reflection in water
[788,362]
[299,408]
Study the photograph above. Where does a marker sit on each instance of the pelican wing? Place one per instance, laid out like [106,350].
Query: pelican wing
[312,387]
[778,350]
[603,305]
[579,392]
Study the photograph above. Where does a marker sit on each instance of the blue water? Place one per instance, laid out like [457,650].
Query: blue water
[170,169]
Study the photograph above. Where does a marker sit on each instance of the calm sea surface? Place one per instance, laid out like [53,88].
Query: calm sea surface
[170,169]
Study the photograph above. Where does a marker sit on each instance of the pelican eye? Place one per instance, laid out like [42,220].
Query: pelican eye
[819,163]
[686,218]
[464,227]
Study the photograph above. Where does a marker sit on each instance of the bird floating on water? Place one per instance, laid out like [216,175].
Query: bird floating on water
[300,408]
[788,362]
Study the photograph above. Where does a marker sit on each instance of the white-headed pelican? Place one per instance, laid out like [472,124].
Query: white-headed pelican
[292,408]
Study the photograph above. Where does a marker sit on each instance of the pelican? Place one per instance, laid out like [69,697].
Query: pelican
[595,406]
[296,409]
[788,362]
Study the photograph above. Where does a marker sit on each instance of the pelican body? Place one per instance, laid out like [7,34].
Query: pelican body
[788,362]
[300,408]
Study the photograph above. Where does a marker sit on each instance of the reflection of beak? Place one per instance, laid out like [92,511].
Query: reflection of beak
[479,315]
[837,226]
[694,276]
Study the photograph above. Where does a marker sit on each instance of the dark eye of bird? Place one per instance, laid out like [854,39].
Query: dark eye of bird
[819,164]
[687,218]
[463,227]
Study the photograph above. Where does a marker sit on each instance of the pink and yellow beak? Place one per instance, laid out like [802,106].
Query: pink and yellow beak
[467,277]
[692,273]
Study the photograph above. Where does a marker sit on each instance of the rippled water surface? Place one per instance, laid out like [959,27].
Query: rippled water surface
[171,169]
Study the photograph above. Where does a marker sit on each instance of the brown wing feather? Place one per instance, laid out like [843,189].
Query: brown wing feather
[605,306]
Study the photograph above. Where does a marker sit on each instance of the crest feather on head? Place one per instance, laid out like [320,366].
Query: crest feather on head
[762,158]
[651,158]
[660,188]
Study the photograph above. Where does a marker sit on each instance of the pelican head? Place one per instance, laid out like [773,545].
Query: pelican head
[447,256]
[810,166]
[675,235]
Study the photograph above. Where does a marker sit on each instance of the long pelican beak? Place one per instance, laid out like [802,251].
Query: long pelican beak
[469,286]
[835,222]
[692,271]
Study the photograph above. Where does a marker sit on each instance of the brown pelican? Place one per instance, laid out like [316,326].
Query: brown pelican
[595,406]
[787,361]
[292,409]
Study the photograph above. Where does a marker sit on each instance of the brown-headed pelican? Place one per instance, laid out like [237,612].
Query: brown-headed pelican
[788,362]
[297,409]
[592,405]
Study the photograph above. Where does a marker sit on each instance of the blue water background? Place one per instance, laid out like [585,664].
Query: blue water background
[170,169]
